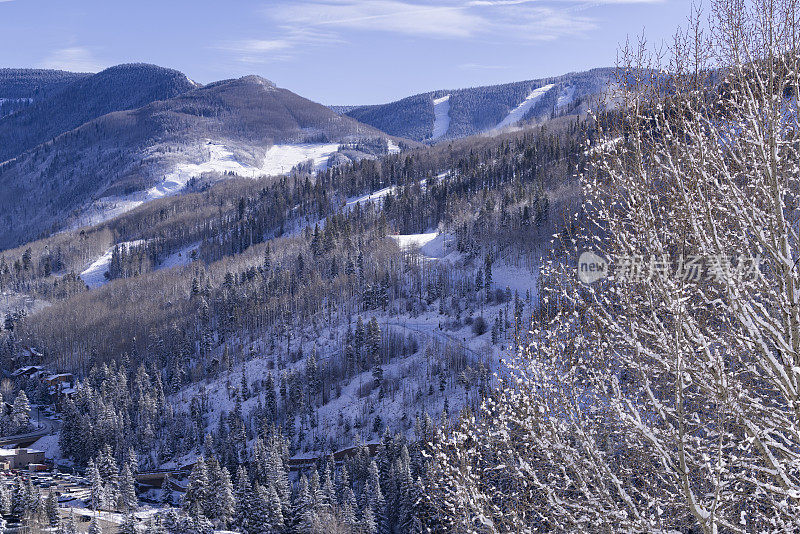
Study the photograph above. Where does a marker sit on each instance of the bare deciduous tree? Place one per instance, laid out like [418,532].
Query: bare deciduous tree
[669,402]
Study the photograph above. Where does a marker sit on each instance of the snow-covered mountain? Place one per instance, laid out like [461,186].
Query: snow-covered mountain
[448,114]
[136,132]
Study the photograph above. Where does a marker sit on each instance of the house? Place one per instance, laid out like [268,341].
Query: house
[63,380]
[20,458]
[28,370]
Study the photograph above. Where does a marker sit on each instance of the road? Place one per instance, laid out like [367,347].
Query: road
[44,426]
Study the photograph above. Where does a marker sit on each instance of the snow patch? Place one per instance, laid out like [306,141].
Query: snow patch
[519,112]
[441,116]
[375,195]
[566,96]
[94,275]
[432,245]
[48,444]
[181,257]
[213,158]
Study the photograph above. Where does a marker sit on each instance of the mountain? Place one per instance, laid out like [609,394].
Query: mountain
[118,160]
[19,88]
[86,98]
[448,114]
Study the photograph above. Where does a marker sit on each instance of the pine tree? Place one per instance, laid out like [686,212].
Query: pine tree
[373,495]
[128,525]
[68,526]
[274,509]
[368,521]
[225,503]
[21,412]
[195,498]
[51,510]
[258,516]
[165,498]
[303,512]
[5,500]
[127,488]
[96,482]
[243,496]
[94,526]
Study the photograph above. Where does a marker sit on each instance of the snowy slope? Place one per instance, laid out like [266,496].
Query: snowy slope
[566,96]
[94,275]
[212,158]
[181,257]
[441,113]
[432,245]
[519,112]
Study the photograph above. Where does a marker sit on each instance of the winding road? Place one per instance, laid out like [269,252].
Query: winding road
[44,426]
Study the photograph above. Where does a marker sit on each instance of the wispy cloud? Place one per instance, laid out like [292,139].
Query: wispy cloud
[395,16]
[443,19]
[301,25]
[281,48]
[73,58]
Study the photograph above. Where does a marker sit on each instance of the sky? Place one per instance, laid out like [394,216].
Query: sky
[336,51]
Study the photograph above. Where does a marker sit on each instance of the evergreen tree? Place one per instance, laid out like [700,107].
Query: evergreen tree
[94,526]
[368,521]
[5,500]
[225,503]
[195,498]
[51,510]
[21,412]
[127,488]
[96,482]
[165,498]
[274,510]
[128,525]
[243,496]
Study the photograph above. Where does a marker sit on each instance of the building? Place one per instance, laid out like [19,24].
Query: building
[61,380]
[28,370]
[20,458]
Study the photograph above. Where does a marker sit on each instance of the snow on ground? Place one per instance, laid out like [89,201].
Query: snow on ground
[116,518]
[375,195]
[519,112]
[392,147]
[94,275]
[48,444]
[407,241]
[565,97]
[281,158]
[181,257]
[432,245]
[441,116]
[12,301]
[217,158]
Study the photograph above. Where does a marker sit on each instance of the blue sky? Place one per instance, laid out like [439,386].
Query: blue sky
[335,51]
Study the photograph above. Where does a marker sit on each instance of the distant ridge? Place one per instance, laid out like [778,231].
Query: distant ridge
[480,109]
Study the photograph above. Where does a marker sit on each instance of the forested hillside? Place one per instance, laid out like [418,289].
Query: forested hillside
[448,114]
[121,159]
[256,322]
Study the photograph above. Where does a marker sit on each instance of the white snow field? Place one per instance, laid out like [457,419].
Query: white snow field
[94,275]
[213,157]
[432,245]
[566,96]
[375,195]
[181,257]
[519,112]
[441,116]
